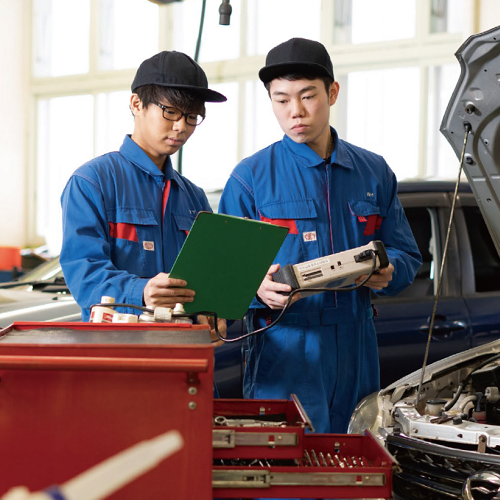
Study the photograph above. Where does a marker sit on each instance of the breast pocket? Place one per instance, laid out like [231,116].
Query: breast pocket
[183,223]
[300,217]
[134,240]
[367,215]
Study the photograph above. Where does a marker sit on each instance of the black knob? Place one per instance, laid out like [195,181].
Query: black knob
[225,10]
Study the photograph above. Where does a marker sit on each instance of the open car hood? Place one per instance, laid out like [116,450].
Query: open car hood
[443,428]
[476,101]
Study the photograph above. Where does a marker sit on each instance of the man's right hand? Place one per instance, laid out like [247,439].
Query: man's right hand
[166,292]
[268,291]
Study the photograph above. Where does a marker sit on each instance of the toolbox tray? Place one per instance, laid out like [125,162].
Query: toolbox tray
[269,440]
[51,332]
[367,471]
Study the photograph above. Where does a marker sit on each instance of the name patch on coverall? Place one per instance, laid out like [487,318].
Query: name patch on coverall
[309,236]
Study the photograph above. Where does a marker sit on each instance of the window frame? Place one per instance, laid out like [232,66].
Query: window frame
[425,50]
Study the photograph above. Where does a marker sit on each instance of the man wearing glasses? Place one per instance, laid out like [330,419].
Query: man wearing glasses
[126,214]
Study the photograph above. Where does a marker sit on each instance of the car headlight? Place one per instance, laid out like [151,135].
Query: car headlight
[366,415]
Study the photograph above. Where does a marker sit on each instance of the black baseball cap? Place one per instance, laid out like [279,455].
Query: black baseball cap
[295,55]
[176,70]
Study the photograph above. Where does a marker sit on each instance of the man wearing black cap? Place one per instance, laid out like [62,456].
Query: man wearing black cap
[333,196]
[126,214]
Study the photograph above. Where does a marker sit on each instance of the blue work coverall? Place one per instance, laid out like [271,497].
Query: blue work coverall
[124,221]
[324,350]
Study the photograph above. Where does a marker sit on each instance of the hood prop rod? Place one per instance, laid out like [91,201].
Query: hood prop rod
[468,129]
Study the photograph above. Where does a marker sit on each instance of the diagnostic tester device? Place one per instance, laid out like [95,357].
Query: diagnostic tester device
[336,270]
[333,273]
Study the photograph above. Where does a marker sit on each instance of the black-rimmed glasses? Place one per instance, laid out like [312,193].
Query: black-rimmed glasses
[173,114]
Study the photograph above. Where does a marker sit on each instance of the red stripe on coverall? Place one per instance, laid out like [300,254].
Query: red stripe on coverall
[166,192]
[372,224]
[289,223]
[123,231]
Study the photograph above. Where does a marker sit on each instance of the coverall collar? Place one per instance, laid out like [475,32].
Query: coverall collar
[309,158]
[133,153]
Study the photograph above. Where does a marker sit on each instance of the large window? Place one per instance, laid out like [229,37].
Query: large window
[361,21]
[394,60]
[128,33]
[271,22]
[441,159]
[60,47]
[376,118]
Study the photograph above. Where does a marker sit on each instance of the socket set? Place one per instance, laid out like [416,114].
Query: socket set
[267,449]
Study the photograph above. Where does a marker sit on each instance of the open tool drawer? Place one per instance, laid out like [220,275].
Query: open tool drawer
[259,428]
[331,466]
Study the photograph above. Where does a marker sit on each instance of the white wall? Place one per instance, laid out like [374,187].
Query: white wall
[13,126]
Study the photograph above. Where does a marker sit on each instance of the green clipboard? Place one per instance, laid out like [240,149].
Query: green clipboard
[224,260]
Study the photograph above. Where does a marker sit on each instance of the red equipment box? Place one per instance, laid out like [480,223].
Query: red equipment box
[279,433]
[74,394]
[332,466]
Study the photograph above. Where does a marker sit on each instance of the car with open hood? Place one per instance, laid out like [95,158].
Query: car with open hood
[442,422]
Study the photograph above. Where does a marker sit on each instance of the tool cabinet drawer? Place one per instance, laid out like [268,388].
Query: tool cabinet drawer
[331,466]
[259,428]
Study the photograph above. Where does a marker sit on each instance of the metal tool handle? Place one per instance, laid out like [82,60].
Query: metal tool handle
[79,363]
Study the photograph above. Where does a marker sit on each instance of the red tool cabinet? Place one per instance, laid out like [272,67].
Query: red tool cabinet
[66,404]
[74,394]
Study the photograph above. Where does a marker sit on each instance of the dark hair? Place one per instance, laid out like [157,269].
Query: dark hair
[185,100]
[305,75]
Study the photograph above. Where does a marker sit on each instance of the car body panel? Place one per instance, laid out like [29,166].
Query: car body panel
[451,334]
[20,305]
[487,308]
[33,297]
[475,101]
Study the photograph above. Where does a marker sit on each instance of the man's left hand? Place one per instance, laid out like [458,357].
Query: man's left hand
[221,326]
[378,280]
